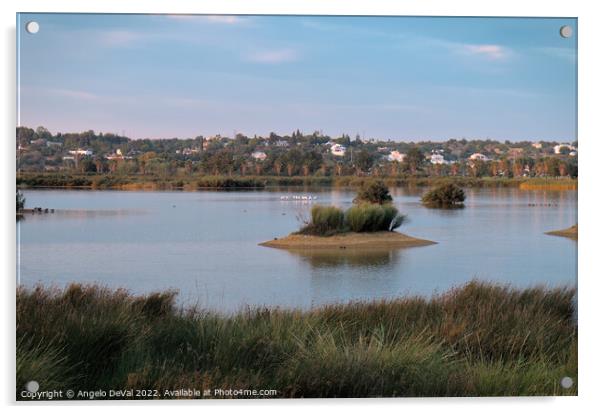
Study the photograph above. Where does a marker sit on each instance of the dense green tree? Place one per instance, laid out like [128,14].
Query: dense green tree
[364,161]
[414,159]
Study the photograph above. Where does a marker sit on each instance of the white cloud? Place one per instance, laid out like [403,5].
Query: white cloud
[224,19]
[120,37]
[492,52]
[273,56]
[75,94]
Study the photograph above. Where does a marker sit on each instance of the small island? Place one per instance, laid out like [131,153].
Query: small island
[369,224]
[571,232]
[376,240]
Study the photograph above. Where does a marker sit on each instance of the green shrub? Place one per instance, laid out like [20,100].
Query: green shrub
[375,192]
[373,217]
[327,217]
[325,221]
[447,195]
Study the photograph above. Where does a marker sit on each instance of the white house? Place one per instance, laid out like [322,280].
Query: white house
[80,151]
[338,150]
[438,159]
[558,148]
[396,156]
[259,155]
[190,151]
[479,157]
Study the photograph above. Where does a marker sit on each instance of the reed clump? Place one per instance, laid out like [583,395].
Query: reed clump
[362,218]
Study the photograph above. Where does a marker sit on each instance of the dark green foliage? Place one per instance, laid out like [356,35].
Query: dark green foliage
[447,195]
[364,160]
[230,182]
[372,217]
[375,192]
[476,340]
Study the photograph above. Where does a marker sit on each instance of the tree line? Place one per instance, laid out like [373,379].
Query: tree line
[290,155]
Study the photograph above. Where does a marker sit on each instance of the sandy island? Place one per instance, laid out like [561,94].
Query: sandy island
[377,240]
[571,232]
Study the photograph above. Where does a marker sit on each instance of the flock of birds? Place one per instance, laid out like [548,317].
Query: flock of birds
[299,197]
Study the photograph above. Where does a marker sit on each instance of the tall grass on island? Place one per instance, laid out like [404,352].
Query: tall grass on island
[362,218]
[476,340]
[372,212]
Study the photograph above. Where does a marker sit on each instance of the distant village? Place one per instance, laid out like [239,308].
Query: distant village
[295,154]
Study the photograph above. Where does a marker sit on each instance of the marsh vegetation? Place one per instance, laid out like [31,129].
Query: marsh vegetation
[475,340]
[372,212]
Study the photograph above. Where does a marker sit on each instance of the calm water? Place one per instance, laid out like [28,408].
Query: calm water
[204,244]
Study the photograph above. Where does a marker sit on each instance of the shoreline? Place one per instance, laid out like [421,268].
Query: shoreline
[376,240]
[208,182]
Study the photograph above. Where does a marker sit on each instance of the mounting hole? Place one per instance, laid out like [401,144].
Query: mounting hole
[32,386]
[566,382]
[566,31]
[32,27]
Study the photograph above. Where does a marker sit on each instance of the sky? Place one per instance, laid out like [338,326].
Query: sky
[399,78]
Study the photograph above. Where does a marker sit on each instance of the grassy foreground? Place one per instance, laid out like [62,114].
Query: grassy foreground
[476,340]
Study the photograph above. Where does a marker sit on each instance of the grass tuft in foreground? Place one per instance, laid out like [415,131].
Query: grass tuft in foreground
[476,340]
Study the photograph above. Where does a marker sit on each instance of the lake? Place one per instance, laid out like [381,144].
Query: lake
[204,244]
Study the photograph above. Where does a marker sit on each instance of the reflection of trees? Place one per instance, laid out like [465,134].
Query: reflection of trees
[348,257]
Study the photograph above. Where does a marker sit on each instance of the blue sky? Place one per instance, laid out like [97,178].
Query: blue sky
[401,78]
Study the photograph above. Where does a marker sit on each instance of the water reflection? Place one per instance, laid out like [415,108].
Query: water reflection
[88,213]
[354,274]
[350,257]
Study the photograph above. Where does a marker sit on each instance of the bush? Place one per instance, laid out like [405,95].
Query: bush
[373,217]
[325,221]
[444,196]
[327,218]
[374,192]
